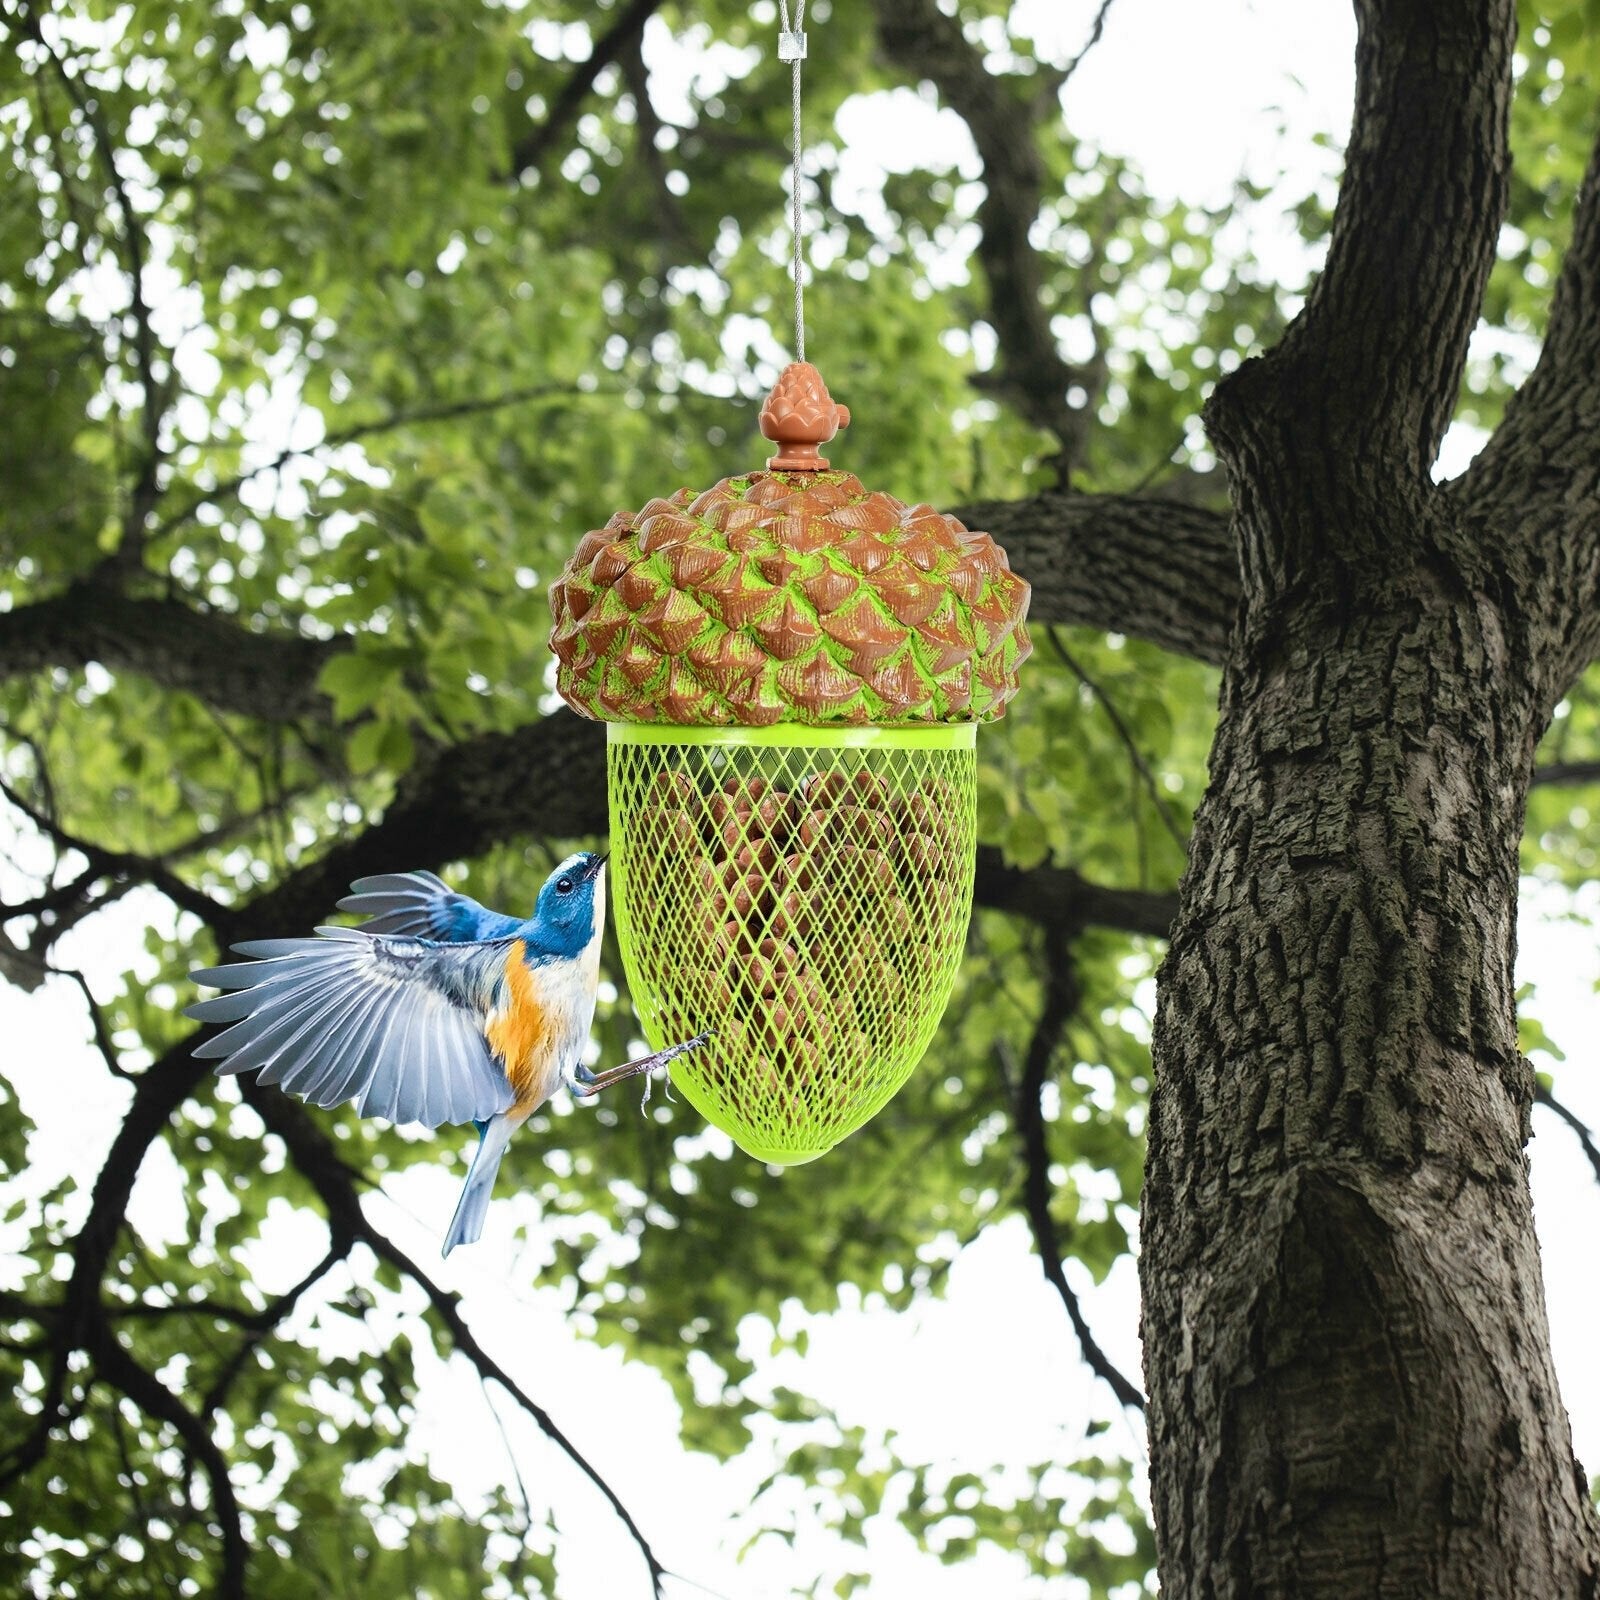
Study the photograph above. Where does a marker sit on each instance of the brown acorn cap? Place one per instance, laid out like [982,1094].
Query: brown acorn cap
[790,595]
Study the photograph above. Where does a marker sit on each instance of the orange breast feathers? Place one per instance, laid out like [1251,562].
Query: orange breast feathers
[520,1031]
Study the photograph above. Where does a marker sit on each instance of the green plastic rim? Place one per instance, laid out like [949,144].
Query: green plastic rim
[932,736]
[805,894]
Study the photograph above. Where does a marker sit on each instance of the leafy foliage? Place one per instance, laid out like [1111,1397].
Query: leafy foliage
[333,324]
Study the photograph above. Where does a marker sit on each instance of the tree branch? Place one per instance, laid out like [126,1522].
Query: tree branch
[647,125]
[146,487]
[213,656]
[74,892]
[1585,1138]
[1058,897]
[1124,734]
[112,863]
[79,1320]
[153,1397]
[258,1325]
[271,676]
[354,432]
[1366,377]
[1540,473]
[1546,451]
[550,776]
[1096,29]
[1147,566]
[100,1029]
[1567,773]
[1060,1001]
[157,1094]
[918,37]
[316,1159]
[528,153]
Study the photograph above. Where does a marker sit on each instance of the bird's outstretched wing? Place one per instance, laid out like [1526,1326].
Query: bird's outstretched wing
[394,1024]
[423,906]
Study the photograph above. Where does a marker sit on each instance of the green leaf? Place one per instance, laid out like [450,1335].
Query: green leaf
[1027,841]
[358,680]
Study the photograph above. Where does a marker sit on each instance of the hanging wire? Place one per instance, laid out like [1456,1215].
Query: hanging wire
[792,48]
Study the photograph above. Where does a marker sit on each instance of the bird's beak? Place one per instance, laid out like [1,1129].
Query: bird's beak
[598,865]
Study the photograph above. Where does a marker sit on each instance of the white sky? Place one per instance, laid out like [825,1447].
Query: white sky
[1195,94]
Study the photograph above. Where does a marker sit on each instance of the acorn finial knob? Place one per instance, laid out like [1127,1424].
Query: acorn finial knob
[799,415]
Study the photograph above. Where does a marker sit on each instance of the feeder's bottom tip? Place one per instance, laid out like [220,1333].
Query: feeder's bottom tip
[782,1158]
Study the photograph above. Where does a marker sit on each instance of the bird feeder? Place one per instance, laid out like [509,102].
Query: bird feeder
[791,668]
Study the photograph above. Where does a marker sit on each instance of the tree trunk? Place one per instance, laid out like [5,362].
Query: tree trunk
[1350,1384]
[1351,1391]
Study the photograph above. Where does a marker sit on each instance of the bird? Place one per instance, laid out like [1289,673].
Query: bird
[435,1010]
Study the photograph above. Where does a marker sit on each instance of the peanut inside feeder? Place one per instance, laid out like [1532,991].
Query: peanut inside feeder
[792,669]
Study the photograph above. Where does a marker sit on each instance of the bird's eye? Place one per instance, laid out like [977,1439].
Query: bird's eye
[564,886]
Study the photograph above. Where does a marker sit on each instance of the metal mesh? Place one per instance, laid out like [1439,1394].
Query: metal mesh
[808,902]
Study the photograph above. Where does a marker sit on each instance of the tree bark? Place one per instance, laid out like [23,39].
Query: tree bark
[1153,567]
[1347,1354]
[1347,1359]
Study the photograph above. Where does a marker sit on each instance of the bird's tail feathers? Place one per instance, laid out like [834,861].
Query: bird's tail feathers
[473,1207]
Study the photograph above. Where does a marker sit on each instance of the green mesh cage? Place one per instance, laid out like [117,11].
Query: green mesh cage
[805,893]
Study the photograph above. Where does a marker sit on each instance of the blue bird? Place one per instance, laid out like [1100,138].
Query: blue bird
[436,1010]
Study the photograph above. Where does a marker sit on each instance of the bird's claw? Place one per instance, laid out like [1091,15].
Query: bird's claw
[649,1086]
[586,1084]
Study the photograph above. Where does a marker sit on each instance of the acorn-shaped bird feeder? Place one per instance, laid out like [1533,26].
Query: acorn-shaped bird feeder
[791,668]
